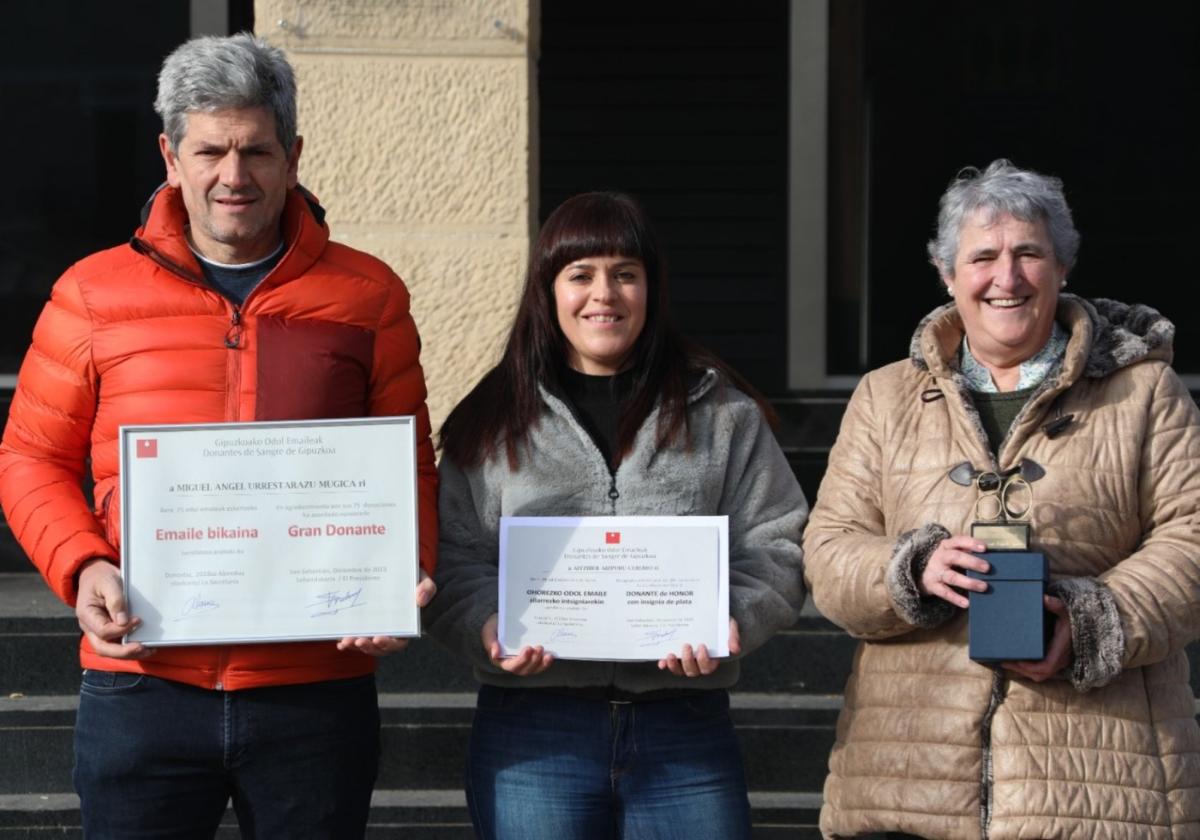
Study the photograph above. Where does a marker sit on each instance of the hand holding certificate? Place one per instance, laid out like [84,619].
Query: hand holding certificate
[271,531]
[614,588]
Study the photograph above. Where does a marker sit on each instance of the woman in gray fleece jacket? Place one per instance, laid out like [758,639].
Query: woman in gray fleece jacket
[598,408]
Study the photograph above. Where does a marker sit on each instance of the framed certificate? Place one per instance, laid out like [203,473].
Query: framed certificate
[614,588]
[253,532]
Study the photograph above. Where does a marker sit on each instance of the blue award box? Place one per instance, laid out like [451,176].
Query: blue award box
[1008,622]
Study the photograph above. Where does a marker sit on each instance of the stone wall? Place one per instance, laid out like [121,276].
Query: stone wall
[418,119]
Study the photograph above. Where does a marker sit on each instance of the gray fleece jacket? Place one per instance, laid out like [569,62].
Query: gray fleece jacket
[734,467]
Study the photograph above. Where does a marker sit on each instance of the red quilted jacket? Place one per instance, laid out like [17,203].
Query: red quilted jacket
[133,335]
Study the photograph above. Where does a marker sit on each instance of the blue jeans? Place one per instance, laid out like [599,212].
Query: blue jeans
[559,767]
[157,758]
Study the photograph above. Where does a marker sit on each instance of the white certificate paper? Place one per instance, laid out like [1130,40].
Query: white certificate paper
[614,588]
[252,532]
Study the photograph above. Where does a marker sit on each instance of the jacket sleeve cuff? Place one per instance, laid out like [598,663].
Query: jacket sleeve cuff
[909,557]
[473,639]
[457,625]
[1097,637]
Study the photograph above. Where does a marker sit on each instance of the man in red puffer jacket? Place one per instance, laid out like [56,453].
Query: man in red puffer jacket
[229,304]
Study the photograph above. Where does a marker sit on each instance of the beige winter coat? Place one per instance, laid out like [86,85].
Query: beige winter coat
[934,744]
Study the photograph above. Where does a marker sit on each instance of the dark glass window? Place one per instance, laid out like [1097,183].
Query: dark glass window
[79,144]
[1103,97]
[685,106]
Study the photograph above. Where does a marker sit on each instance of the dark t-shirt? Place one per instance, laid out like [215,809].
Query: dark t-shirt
[596,402]
[236,282]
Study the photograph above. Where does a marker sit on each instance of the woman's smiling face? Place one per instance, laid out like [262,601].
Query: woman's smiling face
[601,307]
[1005,284]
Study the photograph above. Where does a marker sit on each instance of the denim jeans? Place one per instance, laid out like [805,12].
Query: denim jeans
[157,758]
[559,767]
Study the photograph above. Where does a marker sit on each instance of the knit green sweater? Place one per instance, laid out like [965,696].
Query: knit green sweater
[997,412]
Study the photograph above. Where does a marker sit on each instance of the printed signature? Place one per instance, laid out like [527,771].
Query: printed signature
[331,603]
[562,633]
[195,605]
[653,637]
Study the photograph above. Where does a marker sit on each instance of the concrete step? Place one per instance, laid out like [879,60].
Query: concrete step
[422,814]
[426,814]
[808,427]
[785,740]
[39,640]
[12,558]
[43,658]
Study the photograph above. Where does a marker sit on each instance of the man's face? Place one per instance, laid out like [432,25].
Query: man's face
[234,176]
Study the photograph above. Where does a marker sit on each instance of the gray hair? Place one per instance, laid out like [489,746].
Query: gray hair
[1003,189]
[212,73]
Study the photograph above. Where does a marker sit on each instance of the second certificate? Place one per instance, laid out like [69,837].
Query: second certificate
[614,588]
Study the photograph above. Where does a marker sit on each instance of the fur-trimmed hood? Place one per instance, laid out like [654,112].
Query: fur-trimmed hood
[1107,335]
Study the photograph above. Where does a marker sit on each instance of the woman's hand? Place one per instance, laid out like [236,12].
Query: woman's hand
[383,645]
[942,576]
[530,661]
[1058,652]
[697,663]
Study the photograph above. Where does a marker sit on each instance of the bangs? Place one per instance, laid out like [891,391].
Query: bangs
[613,240]
[597,225]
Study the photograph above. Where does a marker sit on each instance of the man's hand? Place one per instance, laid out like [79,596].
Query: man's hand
[103,615]
[383,645]
[1058,653]
[697,663]
[531,660]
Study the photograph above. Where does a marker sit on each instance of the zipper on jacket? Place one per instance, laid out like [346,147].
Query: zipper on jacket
[222,664]
[233,342]
[233,336]
[233,365]
[613,492]
[985,736]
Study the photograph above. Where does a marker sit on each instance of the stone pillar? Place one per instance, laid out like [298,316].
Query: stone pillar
[418,119]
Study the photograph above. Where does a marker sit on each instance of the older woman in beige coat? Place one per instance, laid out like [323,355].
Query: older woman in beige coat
[1099,739]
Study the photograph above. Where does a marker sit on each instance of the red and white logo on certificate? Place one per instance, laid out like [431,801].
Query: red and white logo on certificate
[612,537]
[147,448]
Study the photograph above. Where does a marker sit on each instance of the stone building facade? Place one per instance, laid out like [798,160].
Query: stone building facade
[422,118]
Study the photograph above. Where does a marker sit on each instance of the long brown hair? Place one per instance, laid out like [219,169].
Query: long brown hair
[506,403]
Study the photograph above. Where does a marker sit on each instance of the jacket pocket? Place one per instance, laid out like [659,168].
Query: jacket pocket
[110,516]
[107,683]
[312,369]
